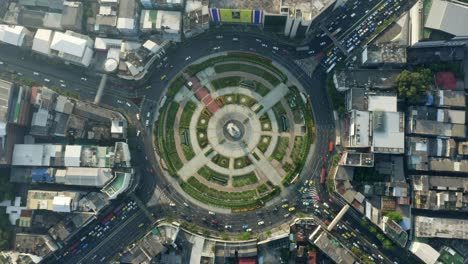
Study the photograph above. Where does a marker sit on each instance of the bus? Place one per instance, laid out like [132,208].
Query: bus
[323,176]
[302,48]
[331,146]
[107,218]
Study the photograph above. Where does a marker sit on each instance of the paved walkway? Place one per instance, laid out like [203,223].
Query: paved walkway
[264,166]
[273,97]
[190,168]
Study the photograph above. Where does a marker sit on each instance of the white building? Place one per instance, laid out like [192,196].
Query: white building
[13,35]
[42,40]
[72,47]
[169,23]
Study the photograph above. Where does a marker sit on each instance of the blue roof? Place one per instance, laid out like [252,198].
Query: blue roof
[430,99]
[41,175]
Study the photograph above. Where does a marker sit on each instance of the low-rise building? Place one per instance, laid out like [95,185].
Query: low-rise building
[72,47]
[450,99]
[72,14]
[37,245]
[439,192]
[426,121]
[15,35]
[433,227]
[424,252]
[388,54]
[365,78]
[196,17]
[62,202]
[166,23]
[126,22]
[334,249]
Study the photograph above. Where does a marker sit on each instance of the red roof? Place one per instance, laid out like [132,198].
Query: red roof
[312,257]
[446,80]
[247,261]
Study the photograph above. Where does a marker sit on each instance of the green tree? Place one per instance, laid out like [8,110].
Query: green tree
[387,244]
[244,236]
[412,84]
[224,236]
[380,237]
[395,216]
[372,229]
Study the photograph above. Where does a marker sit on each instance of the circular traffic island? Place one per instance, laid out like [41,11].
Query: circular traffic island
[234,130]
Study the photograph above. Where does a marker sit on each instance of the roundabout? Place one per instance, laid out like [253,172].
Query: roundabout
[234,131]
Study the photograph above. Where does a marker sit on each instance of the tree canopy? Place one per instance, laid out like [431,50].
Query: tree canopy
[395,216]
[412,84]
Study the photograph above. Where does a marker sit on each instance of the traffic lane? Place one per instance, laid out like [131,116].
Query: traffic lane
[114,246]
[116,240]
[11,54]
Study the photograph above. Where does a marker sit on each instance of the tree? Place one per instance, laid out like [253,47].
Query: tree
[395,216]
[372,229]
[380,237]
[387,244]
[412,84]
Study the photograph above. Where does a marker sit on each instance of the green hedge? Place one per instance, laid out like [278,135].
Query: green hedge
[187,114]
[167,146]
[248,69]
[262,146]
[281,148]
[226,82]
[175,86]
[213,176]
[221,160]
[242,180]
[242,162]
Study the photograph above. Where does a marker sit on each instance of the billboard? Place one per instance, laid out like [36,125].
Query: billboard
[236,15]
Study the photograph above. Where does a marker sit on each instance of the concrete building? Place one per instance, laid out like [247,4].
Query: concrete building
[167,23]
[334,249]
[42,40]
[440,192]
[72,15]
[424,252]
[437,51]
[196,17]
[449,17]
[72,47]
[365,78]
[37,245]
[430,122]
[432,227]
[52,4]
[450,99]
[62,202]
[126,22]
[388,54]
[14,35]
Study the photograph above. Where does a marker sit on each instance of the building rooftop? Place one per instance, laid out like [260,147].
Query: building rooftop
[424,122]
[356,159]
[388,132]
[365,78]
[39,245]
[449,17]
[446,98]
[69,44]
[13,35]
[52,4]
[424,252]
[42,40]
[384,53]
[432,227]
[52,201]
[96,177]
[71,15]
[436,51]
[381,102]
[334,249]
[359,129]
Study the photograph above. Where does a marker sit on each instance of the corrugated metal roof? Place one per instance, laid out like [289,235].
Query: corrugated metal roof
[449,17]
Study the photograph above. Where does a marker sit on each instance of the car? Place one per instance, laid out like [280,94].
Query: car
[148,114]
[164,59]
[128,104]
[245,226]
[374,245]
[258,40]
[285,206]
[63,85]
[163,77]
[248,230]
[275,48]
[235,39]
[186,204]
[151,171]
[216,48]
[1,62]
[261,223]
[19,74]
[380,257]
[286,215]
[188,58]
[214,222]
[36,73]
[211,213]
[172,204]
[284,200]
[138,133]
[62,81]
[305,203]
[322,43]
[264,45]
[46,80]
[292,209]
[219,37]
[326,205]
[228,226]
[147,123]
[148,87]
[138,116]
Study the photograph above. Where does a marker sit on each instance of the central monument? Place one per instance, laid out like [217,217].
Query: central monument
[233,130]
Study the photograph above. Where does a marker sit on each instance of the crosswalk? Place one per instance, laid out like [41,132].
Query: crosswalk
[310,195]
[307,65]
[162,196]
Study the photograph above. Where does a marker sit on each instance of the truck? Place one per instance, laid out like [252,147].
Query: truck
[323,176]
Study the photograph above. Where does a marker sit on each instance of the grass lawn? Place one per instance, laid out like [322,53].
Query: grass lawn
[188,151]
[246,100]
[187,114]
[262,188]
[213,176]
[226,82]
[264,143]
[221,160]
[247,179]
[280,112]
[167,142]
[203,119]
[202,140]
[242,162]
[249,69]
[298,151]
[265,122]
[281,148]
